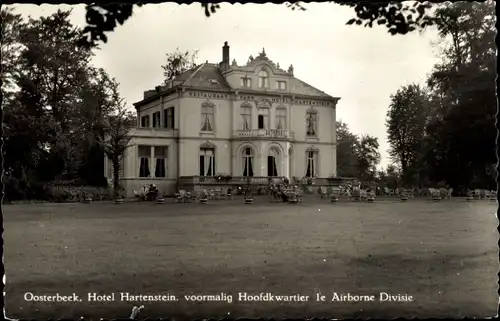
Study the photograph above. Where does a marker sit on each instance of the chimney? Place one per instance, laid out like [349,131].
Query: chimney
[225,54]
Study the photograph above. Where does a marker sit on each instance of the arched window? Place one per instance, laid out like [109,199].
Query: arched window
[246,116]
[207,161]
[312,123]
[272,162]
[263,79]
[247,161]
[281,118]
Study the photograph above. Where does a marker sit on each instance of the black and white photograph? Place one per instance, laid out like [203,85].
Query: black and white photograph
[278,160]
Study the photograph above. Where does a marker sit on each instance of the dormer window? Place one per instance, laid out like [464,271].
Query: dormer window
[281,85]
[246,82]
[263,79]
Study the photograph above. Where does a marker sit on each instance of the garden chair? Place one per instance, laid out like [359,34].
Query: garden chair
[211,194]
[179,196]
[218,194]
[322,192]
[435,194]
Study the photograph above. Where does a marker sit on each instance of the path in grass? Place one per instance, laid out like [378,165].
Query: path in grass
[443,254]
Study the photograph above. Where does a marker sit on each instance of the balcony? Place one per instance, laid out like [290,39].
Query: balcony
[264,133]
[153,132]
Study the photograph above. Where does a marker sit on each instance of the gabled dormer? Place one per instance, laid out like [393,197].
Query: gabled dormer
[258,74]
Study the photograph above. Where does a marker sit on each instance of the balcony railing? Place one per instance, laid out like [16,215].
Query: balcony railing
[153,132]
[234,180]
[271,133]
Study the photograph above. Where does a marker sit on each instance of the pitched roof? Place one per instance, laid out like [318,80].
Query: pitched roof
[207,76]
[303,88]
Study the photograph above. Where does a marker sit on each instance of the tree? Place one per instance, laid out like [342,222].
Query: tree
[346,151]
[392,176]
[10,47]
[177,63]
[368,157]
[117,138]
[406,120]
[52,60]
[397,17]
[94,105]
[461,131]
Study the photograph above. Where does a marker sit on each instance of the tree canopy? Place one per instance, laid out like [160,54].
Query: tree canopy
[397,17]
[448,133]
[55,104]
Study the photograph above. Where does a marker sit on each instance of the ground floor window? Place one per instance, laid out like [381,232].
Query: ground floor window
[161,161]
[152,164]
[207,162]
[272,160]
[144,160]
[247,160]
[312,164]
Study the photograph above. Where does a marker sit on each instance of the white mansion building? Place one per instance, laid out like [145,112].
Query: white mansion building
[251,120]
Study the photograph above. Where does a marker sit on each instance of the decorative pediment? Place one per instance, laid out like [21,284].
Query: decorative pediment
[263,59]
[264,103]
[312,149]
[207,144]
[208,103]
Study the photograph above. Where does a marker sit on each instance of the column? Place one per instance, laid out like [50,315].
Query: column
[153,163]
[134,172]
[285,163]
[162,114]
[262,160]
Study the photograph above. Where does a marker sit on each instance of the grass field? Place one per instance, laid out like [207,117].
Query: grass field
[443,254]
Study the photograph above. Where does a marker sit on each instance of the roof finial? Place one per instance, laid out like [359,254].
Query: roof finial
[262,54]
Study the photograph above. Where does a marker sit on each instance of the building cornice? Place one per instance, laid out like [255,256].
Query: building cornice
[235,93]
[156,96]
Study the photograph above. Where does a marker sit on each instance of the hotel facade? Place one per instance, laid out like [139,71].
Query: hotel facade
[255,120]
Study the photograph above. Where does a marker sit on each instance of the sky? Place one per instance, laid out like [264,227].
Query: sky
[362,66]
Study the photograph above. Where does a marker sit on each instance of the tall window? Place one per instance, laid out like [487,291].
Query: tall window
[169,118]
[312,163]
[145,121]
[246,116]
[161,161]
[156,119]
[207,162]
[247,160]
[272,162]
[263,118]
[280,118]
[207,117]
[246,82]
[144,161]
[312,123]
[263,79]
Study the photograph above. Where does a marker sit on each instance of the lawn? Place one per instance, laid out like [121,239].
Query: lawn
[443,254]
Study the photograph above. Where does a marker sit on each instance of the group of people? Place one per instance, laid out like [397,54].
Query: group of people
[147,193]
[282,191]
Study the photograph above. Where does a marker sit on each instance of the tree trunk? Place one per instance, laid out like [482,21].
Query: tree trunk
[116,177]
